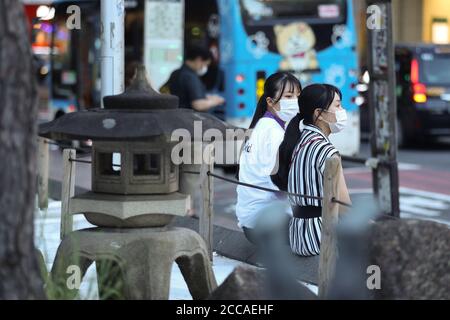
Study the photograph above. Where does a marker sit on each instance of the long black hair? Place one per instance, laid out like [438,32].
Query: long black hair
[315,96]
[274,88]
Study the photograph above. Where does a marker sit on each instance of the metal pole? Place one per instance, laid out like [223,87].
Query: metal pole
[383,105]
[113,47]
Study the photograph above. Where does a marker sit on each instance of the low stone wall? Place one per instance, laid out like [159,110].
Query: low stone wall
[414,259]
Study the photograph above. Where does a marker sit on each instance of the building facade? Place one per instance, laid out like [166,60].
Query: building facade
[414,21]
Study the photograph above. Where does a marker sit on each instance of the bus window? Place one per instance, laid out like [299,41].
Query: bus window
[322,18]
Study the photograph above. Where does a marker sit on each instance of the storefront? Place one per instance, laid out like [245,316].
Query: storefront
[436,21]
[414,21]
[422,21]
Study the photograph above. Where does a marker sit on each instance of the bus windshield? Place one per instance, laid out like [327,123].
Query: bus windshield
[266,11]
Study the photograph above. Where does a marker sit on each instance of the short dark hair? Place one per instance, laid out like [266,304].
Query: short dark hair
[194,52]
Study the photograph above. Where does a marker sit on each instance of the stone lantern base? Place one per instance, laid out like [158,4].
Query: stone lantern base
[143,258]
[130,211]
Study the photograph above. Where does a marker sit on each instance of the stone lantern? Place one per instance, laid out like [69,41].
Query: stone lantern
[136,192]
[135,183]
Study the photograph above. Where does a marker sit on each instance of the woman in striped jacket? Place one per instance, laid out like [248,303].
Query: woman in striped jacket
[302,156]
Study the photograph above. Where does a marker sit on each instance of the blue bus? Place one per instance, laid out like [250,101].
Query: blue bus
[314,39]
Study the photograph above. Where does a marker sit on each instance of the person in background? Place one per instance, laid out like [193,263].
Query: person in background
[302,158]
[185,82]
[130,71]
[277,106]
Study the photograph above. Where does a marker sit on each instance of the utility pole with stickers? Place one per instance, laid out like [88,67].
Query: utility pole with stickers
[383,106]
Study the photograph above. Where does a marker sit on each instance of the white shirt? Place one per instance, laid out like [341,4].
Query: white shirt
[257,161]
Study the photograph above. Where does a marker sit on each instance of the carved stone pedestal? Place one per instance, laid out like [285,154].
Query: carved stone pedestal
[134,263]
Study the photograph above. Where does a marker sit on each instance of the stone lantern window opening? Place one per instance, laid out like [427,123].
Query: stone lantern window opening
[109,163]
[147,164]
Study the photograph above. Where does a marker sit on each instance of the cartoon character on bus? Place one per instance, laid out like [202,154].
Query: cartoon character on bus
[295,42]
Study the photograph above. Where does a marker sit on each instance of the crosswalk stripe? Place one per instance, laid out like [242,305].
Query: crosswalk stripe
[419,211]
[424,205]
[424,202]
[427,194]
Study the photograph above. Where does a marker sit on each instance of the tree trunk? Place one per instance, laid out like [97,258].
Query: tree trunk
[19,272]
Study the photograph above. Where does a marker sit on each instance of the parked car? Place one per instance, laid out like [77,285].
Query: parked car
[423,93]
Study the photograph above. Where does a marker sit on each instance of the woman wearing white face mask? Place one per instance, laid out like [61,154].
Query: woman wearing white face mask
[276,108]
[302,158]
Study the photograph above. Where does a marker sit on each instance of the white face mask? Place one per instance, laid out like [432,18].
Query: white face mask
[202,71]
[288,109]
[341,121]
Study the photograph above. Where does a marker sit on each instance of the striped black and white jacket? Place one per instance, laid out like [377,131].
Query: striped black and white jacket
[308,166]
